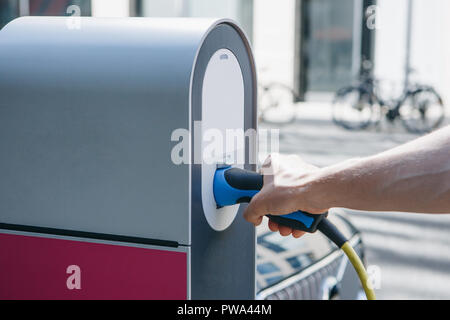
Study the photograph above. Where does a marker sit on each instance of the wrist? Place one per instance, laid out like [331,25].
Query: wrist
[333,186]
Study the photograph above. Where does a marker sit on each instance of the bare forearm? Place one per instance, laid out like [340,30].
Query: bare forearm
[414,177]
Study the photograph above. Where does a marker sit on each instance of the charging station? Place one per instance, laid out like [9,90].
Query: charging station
[92,205]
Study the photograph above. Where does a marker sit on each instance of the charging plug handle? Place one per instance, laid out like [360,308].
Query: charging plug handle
[235,185]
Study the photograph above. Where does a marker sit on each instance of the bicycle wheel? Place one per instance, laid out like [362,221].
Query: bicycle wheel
[422,110]
[353,108]
[277,104]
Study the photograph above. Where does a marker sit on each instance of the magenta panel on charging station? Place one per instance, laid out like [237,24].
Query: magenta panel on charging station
[45,268]
[95,202]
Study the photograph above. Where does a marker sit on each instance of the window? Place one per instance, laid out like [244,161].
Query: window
[331,43]
[57,7]
[11,9]
[239,10]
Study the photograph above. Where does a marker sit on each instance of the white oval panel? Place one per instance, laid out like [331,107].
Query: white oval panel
[222,110]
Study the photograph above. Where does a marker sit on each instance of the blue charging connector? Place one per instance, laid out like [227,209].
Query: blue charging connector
[233,185]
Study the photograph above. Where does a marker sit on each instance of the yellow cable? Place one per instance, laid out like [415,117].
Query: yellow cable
[360,270]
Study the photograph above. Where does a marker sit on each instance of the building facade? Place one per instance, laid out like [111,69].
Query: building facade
[313,46]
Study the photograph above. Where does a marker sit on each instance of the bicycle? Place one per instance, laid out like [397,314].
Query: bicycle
[273,96]
[419,107]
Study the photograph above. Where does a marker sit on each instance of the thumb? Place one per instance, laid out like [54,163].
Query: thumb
[255,211]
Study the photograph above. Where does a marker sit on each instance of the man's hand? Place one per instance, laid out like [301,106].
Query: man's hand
[288,181]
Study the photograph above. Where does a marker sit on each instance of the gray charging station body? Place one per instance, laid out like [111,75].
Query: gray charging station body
[88,187]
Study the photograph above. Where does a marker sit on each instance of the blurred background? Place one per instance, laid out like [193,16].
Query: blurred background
[340,79]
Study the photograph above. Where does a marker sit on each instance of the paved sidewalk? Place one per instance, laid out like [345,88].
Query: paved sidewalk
[411,250]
